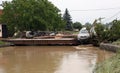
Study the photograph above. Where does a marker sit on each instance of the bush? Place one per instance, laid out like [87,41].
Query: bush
[77,25]
[109,33]
[115,30]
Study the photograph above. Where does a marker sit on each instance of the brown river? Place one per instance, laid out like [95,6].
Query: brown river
[51,59]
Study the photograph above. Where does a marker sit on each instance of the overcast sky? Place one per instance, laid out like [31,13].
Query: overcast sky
[89,10]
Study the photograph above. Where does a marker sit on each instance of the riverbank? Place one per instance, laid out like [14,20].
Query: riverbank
[114,46]
[111,65]
[109,47]
[4,44]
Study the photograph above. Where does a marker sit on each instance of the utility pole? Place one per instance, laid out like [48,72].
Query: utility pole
[100,19]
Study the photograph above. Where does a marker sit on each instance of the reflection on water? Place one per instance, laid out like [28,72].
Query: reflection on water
[50,59]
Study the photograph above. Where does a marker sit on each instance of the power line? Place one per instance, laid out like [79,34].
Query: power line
[103,9]
[116,14]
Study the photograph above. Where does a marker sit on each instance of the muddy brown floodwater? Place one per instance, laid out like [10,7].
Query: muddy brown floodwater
[50,59]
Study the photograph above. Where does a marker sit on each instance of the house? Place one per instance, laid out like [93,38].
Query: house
[3,31]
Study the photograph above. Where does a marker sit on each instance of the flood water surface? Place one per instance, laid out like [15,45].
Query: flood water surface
[50,59]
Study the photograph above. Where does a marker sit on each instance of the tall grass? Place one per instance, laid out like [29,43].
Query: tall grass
[112,65]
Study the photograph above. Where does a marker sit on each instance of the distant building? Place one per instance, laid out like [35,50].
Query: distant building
[3,28]
[3,31]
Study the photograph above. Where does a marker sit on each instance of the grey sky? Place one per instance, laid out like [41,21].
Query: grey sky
[77,9]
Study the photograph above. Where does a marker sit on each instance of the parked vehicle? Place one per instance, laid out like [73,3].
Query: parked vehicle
[83,34]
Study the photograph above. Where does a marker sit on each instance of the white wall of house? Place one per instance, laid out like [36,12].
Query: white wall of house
[0,30]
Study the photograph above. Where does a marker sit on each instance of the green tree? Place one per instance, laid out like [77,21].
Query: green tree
[115,30]
[99,30]
[103,33]
[100,34]
[68,20]
[88,26]
[33,15]
[77,25]
[109,32]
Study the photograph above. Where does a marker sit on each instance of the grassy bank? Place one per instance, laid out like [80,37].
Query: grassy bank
[111,65]
[117,42]
[2,43]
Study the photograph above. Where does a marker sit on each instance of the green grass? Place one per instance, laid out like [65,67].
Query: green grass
[2,43]
[117,42]
[111,65]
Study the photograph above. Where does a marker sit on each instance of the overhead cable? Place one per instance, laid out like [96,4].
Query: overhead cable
[116,14]
[103,9]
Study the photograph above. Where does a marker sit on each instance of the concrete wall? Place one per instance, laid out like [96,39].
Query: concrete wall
[109,47]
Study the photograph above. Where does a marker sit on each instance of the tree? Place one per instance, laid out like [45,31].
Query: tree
[68,20]
[77,25]
[99,28]
[101,34]
[88,26]
[32,15]
[115,30]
